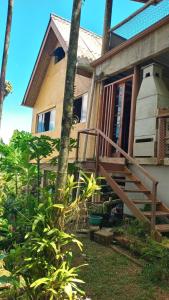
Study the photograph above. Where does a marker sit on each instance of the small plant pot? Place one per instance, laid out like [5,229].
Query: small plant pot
[95,220]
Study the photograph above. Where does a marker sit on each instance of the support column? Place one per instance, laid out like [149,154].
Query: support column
[135,90]
[107,26]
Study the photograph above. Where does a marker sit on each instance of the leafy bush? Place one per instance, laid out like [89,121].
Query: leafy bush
[157,268]
[44,261]
[34,227]
[138,228]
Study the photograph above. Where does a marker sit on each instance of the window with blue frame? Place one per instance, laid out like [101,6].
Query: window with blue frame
[46,121]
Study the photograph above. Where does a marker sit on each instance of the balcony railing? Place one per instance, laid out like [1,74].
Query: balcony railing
[163,136]
[148,15]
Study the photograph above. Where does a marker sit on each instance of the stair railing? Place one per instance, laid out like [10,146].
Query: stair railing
[99,136]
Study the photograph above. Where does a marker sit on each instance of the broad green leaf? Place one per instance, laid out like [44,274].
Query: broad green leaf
[39,282]
[60,206]
[68,291]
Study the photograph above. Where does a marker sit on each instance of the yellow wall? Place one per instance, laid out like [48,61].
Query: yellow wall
[51,96]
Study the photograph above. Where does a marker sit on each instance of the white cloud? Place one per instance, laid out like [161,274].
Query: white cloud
[11,122]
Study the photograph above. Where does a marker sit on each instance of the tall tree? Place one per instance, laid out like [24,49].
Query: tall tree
[69,95]
[107,25]
[5,55]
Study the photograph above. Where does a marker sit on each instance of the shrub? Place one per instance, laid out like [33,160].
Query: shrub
[157,268]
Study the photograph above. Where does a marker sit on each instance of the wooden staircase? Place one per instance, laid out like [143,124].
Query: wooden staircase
[118,179]
[129,187]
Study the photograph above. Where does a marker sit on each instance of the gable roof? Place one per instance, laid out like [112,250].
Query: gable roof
[89,45]
[89,49]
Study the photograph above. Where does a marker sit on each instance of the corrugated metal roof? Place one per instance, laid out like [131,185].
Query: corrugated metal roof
[89,45]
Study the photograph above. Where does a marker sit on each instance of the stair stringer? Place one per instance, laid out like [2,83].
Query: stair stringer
[123,196]
[150,196]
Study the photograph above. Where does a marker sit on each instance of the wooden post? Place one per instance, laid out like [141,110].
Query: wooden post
[77,147]
[97,154]
[89,114]
[153,212]
[107,26]
[161,140]
[135,90]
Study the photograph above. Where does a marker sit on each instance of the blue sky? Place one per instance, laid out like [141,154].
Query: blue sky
[30,19]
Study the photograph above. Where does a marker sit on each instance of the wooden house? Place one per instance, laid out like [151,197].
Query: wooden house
[45,90]
[129,124]
[125,136]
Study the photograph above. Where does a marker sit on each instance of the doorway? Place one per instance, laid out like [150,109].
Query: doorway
[115,115]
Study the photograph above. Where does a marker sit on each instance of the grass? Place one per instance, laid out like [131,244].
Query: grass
[111,276]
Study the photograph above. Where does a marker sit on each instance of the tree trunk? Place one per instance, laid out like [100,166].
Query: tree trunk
[68,96]
[5,55]
[107,26]
[38,179]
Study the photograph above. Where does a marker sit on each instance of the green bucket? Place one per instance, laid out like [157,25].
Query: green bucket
[95,220]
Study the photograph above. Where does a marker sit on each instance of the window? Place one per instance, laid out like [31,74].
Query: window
[59,54]
[80,109]
[46,121]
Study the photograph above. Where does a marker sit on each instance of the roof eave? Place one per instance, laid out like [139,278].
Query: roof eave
[25,101]
[50,26]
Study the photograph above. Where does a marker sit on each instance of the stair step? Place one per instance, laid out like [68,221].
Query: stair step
[162,227]
[158,213]
[112,160]
[121,172]
[142,201]
[137,191]
[126,180]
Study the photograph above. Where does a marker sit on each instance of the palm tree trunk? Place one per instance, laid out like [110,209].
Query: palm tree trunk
[5,55]
[107,26]
[38,179]
[69,96]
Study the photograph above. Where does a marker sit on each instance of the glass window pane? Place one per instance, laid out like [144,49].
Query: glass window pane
[40,126]
[52,120]
[84,108]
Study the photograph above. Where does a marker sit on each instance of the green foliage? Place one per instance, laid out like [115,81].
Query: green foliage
[8,88]
[38,251]
[157,268]
[156,255]
[46,260]
[137,228]
[96,209]
[69,206]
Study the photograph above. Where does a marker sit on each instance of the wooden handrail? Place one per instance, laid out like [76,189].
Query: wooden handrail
[120,81]
[98,133]
[133,15]
[129,158]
